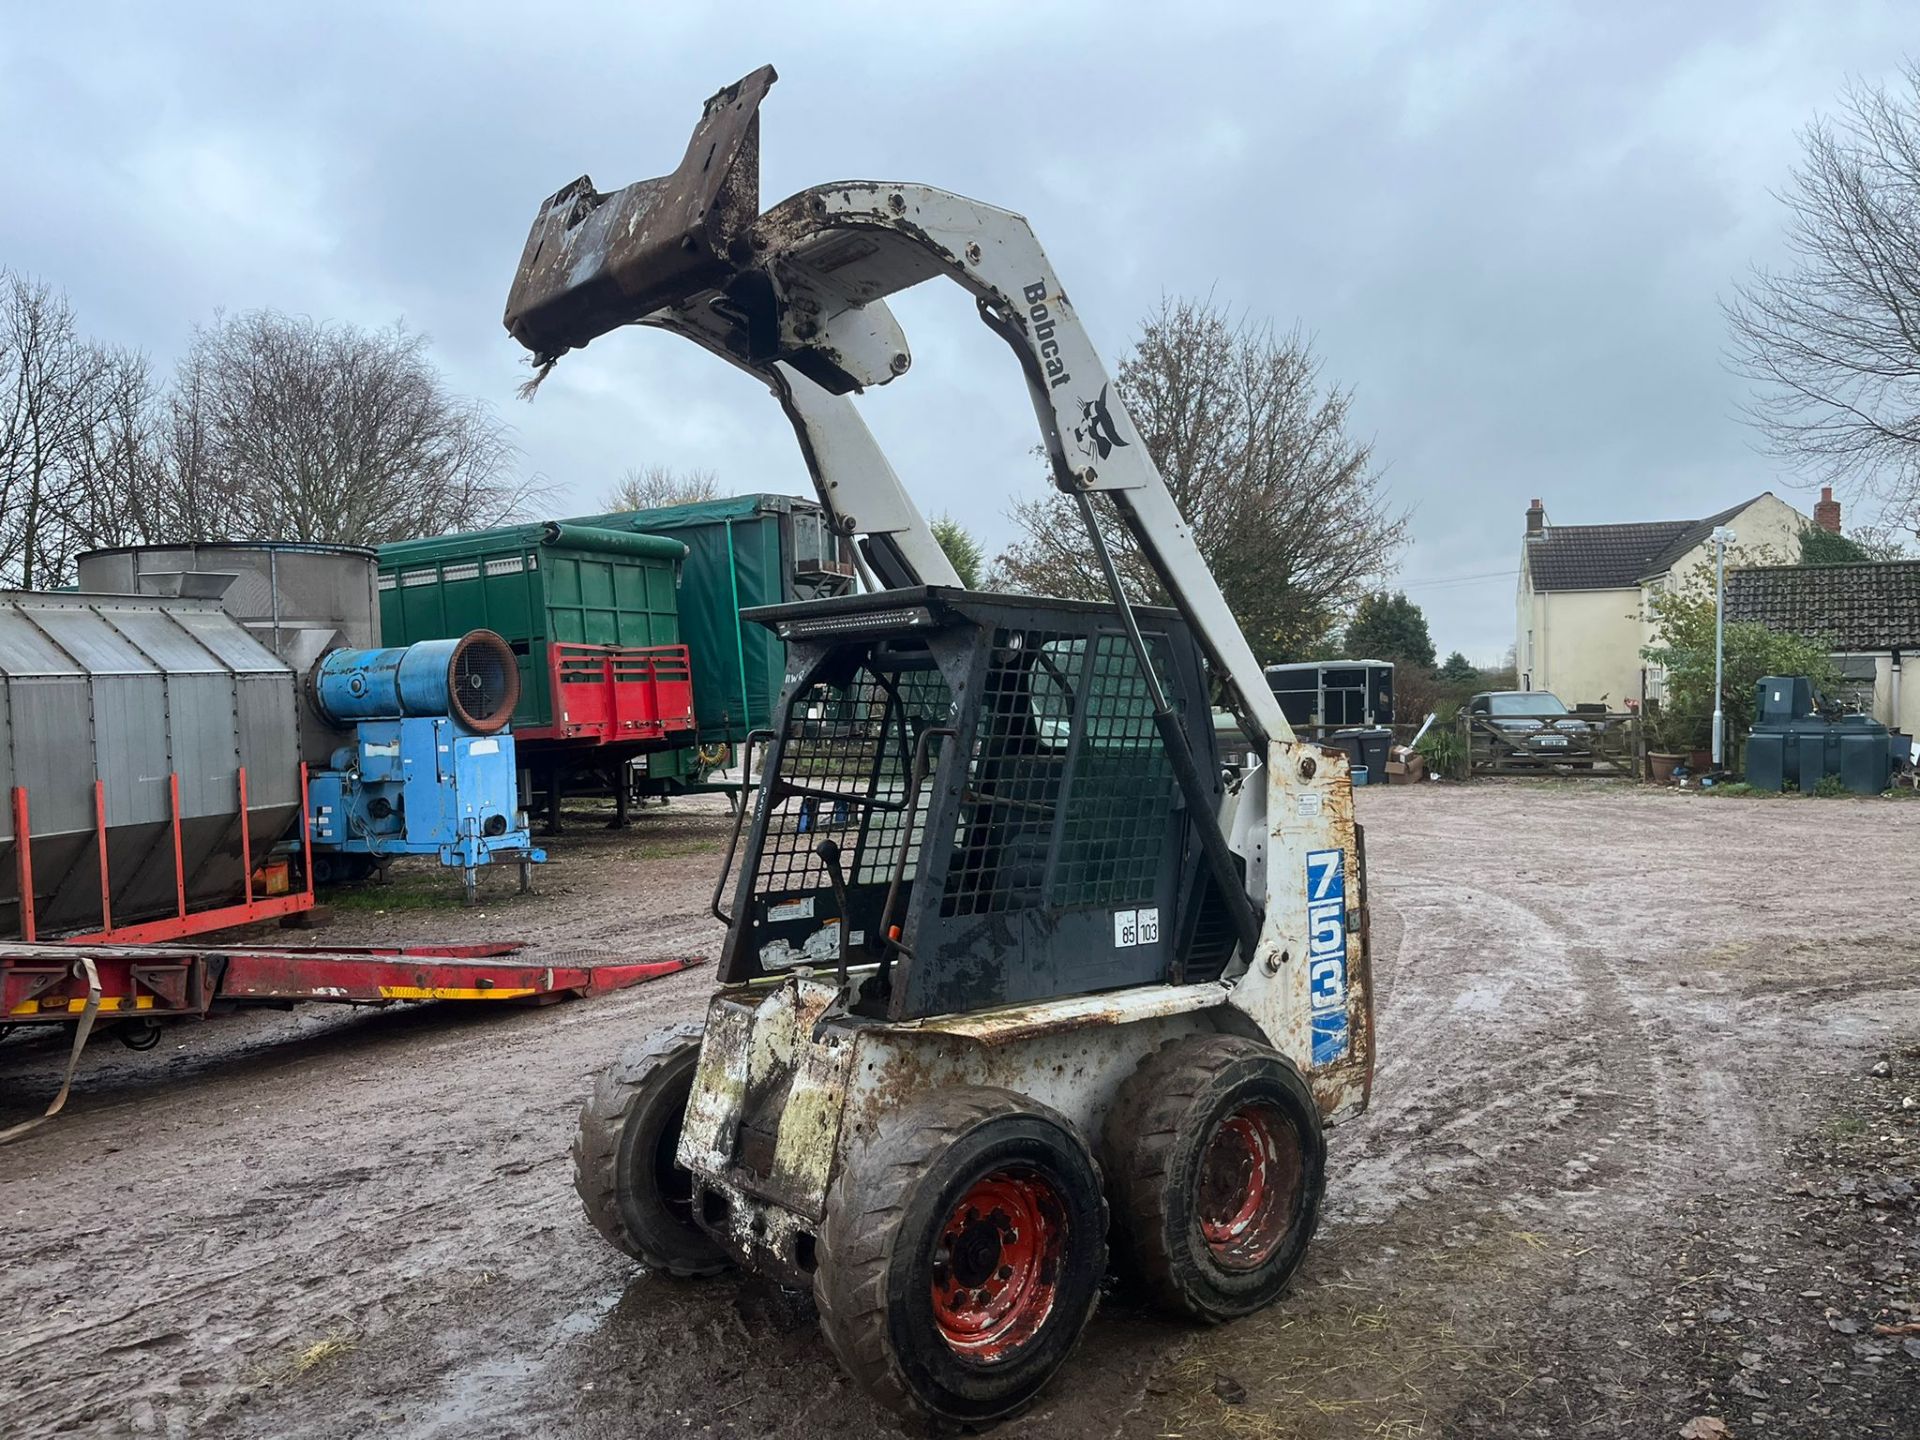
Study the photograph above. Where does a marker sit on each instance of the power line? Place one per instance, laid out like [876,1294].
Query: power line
[1442,581]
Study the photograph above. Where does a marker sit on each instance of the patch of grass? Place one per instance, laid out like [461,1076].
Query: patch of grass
[1846,1127]
[401,895]
[677,849]
[388,899]
[320,1352]
[1829,788]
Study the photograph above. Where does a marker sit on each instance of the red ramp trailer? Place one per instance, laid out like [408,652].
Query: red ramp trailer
[138,988]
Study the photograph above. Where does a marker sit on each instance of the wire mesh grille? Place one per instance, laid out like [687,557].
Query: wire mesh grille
[849,749]
[1115,834]
[1016,773]
[484,681]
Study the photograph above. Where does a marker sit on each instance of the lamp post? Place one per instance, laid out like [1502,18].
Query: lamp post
[1722,537]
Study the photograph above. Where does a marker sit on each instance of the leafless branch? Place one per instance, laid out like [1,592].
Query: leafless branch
[656,486]
[1289,509]
[1832,339]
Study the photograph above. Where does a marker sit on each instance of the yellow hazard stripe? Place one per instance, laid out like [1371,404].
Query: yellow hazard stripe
[449,992]
[74,1007]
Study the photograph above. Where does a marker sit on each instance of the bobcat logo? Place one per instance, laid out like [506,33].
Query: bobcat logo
[1095,434]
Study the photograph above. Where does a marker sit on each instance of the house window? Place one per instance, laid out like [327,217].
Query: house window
[1529,649]
[1857,674]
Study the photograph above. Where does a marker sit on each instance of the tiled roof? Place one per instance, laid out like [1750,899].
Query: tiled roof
[1873,606]
[1615,557]
[1693,535]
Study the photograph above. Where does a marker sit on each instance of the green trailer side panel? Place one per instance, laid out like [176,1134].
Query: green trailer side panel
[597,599]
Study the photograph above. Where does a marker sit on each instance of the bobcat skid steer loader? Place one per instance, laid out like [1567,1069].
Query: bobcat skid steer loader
[1015,984]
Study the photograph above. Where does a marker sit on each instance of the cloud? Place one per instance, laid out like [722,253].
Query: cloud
[1506,226]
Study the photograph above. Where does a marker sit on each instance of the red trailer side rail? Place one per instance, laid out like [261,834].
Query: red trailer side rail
[47,984]
[606,694]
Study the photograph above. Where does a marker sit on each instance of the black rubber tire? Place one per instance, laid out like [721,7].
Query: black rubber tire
[885,1213]
[623,1156]
[1155,1141]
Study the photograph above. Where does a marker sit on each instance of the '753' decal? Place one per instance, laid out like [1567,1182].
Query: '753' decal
[1327,953]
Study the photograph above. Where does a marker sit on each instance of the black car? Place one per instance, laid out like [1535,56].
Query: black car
[1535,723]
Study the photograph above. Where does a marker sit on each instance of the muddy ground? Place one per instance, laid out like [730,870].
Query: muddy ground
[1629,1165]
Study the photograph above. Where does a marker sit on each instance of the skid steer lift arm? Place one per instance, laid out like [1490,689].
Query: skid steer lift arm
[797,295]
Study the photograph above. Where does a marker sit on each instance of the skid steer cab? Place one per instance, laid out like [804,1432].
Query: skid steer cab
[983,1018]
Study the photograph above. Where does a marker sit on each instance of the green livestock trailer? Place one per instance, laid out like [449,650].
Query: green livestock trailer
[742,551]
[593,615]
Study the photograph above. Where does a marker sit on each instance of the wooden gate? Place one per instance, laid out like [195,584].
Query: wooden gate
[1560,744]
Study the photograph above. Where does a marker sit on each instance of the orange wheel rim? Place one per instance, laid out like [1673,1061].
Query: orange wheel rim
[996,1265]
[1249,1190]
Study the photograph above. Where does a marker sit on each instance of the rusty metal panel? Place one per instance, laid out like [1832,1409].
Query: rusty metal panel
[719,1088]
[810,1119]
[595,261]
[1305,805]
[1009,1024]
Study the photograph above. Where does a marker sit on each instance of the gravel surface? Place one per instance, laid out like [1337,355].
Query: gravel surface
[1641,1158]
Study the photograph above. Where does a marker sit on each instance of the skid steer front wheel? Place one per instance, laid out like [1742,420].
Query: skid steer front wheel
[1217,1165]
[962,1254]
[634,1192]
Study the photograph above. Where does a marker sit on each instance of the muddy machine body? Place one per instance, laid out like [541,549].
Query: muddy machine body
[1011,971]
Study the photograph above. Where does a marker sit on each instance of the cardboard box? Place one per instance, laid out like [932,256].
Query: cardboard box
[1406,767]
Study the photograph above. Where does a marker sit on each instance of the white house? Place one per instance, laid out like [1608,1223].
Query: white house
[1581,616]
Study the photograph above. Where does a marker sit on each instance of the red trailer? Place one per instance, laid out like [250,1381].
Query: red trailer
[139,988]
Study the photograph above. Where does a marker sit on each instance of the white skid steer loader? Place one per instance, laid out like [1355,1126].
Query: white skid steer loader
[1014,982]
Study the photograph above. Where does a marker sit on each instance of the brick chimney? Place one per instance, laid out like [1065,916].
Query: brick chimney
[1537,519]
[1826,514]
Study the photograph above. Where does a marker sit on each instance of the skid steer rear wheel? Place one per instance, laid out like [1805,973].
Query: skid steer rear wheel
[1216,1163]
[962,1254]
[623,1156]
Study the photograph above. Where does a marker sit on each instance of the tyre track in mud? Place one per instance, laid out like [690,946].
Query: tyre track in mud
[277,1189]
[347,1224]
[1592,1033]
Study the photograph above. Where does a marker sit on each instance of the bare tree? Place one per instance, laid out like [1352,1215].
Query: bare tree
[72,437]
[1288,508]
[657,486]
[1832,340]
[119,492]
[285,427]
[199,493]
[272,428]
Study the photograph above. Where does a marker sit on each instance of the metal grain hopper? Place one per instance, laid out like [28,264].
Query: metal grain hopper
[149,749]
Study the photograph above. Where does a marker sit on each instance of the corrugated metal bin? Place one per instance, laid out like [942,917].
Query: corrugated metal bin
[299,600]
[147,699]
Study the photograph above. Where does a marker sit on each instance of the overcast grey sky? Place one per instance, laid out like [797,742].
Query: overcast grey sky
[1508,226]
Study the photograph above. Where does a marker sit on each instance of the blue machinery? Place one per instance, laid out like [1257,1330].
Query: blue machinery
[431,768]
